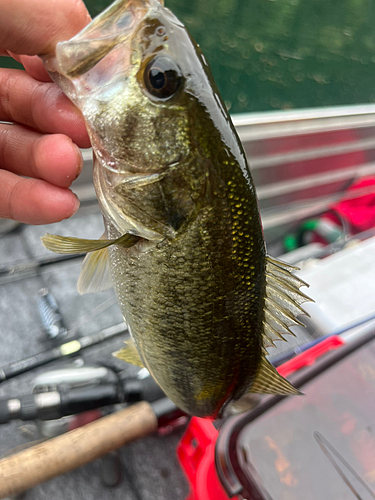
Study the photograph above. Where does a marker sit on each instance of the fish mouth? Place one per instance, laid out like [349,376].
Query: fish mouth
[115,25]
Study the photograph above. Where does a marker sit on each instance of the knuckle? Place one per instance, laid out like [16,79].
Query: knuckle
[45,94]
[7,84]
[18,192]
[10,200]
[4,144]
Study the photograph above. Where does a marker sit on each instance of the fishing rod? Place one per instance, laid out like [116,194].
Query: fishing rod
[78,447]
[344,332]
[31,268]
[67,349]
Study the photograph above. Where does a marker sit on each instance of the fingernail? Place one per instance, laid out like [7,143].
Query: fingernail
[80,164]
[76,204]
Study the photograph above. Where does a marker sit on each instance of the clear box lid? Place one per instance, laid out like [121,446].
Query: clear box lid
[320,446]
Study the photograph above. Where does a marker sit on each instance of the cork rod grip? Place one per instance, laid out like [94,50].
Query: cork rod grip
[56,456]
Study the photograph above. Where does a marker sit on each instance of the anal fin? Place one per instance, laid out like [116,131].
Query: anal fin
[129,354]
[269,381]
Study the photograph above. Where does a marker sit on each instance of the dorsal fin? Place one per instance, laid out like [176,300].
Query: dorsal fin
[283,300]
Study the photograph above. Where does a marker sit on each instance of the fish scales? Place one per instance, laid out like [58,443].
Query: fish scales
[183,237]
[196,326]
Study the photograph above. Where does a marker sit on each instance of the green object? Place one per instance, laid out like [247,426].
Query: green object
[325,228]
[290,242]
[310,225]
[295,240]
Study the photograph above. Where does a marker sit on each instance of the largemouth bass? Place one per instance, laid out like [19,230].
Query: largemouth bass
[183,244]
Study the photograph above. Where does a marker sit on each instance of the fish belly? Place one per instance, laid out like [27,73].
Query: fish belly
[196,324]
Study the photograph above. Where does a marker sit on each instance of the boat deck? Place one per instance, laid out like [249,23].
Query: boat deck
[149,466]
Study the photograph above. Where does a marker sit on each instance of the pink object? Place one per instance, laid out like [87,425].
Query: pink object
[358,212]
[196,453]
[309,357]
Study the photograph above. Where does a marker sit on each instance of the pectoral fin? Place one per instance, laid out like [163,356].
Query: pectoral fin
[269,381]
[129,354]
[70,245]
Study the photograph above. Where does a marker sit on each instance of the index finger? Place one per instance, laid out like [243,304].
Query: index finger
[34,27]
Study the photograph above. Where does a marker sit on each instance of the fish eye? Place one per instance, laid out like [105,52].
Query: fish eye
[162,77]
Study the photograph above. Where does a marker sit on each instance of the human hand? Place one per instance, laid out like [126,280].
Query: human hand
[46,129]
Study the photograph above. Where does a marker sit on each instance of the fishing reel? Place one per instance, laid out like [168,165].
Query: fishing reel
[75,395]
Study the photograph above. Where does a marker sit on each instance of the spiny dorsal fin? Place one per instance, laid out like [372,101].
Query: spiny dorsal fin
[272,262]
[285,316]
[283,300]
[95,274]
[129,354]
[278,325]
[269,381]
[279,269]
[270,335]
[70,245]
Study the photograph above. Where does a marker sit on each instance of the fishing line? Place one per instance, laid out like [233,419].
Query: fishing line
[328,450]
[90,315]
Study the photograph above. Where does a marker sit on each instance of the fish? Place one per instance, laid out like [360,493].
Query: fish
[183,244]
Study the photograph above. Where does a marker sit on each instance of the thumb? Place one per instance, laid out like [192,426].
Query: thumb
[34,27]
